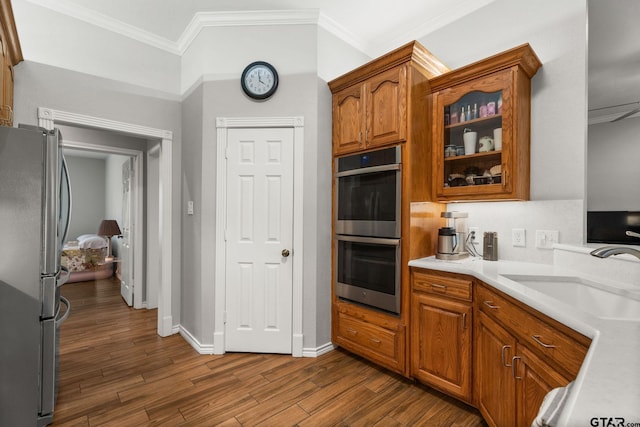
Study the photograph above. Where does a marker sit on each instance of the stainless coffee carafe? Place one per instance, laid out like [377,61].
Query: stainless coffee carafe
[452,239]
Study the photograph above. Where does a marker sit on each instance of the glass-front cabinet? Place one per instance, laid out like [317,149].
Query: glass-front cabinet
[481,129]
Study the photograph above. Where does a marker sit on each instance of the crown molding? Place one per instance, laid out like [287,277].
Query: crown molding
[203,20]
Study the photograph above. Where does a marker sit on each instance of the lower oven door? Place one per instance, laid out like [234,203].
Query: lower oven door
[368,271]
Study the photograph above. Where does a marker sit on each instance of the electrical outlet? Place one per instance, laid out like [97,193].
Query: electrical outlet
[477,237]
[545,239]
[518,237]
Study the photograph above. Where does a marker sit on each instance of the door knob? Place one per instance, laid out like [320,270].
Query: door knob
[285,253]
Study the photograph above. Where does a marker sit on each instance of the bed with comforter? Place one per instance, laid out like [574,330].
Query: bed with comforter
[85,258]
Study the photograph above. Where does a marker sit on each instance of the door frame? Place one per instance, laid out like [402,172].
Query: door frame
[48,117]
[223,124]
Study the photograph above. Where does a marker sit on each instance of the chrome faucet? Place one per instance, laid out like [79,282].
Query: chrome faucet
[608,251]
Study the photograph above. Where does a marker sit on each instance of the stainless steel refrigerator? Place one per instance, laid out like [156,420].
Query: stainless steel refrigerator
[35,207]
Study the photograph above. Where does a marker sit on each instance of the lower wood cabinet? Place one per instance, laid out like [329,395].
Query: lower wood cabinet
[374,335]
[521,355]
[441,333]
[534,379]
[486,348]
[495,382]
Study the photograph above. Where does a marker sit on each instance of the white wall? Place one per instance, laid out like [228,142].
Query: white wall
[614,166]
[56,39]
[87,178]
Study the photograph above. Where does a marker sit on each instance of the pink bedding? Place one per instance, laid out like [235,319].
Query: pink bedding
[86,261]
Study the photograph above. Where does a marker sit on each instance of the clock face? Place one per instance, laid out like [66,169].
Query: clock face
[259,80]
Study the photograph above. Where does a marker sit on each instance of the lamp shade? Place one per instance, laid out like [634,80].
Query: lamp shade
[109,228]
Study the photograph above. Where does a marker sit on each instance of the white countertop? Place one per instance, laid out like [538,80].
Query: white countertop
[608,384]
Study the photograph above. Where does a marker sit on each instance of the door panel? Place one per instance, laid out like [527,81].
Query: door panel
[126,250]
[259,228]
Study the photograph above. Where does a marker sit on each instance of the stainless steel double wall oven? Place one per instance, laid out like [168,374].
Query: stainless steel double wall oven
[367,227]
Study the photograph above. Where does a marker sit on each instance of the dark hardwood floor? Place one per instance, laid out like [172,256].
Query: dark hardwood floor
[115,370]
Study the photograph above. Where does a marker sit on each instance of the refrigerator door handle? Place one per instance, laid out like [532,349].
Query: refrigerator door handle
[65,171]
[64,317]
[62,279]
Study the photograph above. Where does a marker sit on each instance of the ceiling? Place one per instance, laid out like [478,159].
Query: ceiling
[377,26]
[614,59]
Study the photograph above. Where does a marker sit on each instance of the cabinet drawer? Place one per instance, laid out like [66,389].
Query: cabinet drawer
[552,342]
[437,284]
[370,336]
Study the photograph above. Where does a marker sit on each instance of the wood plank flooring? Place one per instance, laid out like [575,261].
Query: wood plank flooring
[116,371]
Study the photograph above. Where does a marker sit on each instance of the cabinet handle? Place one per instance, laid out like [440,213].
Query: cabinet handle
[436,286]
[375,341]
[360,138]
[536,338]
[490,305]
[505,364]
[352,332]
[513,367]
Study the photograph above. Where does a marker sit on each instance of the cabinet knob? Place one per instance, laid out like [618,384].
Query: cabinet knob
[285,253]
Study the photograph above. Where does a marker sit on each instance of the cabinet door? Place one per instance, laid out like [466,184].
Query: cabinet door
[348,120]
[468,164]
[441,343]
[534,380]
[386,112]
[495,382]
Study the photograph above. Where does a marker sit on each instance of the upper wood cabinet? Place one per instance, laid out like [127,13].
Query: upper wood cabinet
[371,104]
[481,128]
[11,55]
[371,114]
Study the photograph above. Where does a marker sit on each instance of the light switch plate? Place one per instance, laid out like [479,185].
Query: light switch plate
[545,239]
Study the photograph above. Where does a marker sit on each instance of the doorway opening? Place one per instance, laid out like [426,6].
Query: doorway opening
[159,141]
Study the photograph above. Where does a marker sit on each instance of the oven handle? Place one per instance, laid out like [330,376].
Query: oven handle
[373,240]
[372,169]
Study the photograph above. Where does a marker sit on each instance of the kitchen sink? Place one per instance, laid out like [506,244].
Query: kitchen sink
[600,300]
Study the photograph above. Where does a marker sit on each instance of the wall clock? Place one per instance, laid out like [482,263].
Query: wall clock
[259,80]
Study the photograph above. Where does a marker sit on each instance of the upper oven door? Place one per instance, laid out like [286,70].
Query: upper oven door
[368,192]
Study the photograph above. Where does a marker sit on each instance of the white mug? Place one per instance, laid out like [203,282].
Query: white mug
[497,138]
[470,139]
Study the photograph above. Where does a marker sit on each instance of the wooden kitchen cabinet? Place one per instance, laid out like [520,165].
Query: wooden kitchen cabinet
[384,103]
[371,334]
[10,56]
[490,95]
[534,379]
[372,104]
[521,356]
[495,382]
[371,114]
[441,331]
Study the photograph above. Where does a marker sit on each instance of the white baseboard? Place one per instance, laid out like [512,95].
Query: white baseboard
[318,351]
[200,348]
[211,348]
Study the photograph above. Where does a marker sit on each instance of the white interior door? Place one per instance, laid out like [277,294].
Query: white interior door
[259,238]
[126,251]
